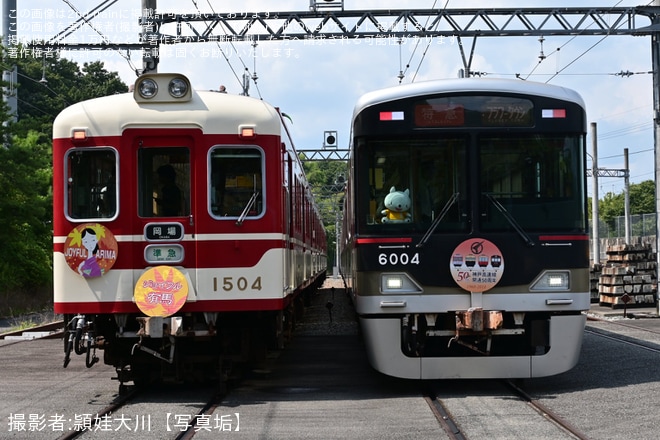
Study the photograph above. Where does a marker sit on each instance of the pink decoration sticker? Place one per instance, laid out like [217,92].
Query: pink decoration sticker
[476,265]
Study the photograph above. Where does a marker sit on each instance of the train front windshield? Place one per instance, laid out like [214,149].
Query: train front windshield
[467,182]
[431,171]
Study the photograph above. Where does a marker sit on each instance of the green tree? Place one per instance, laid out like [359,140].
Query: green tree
[641,197]
[610,207]
[26,163]
[642,201]
[47,86]
[327,180]
[25,212]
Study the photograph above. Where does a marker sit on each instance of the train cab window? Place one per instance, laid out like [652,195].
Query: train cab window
[236,176]
[532,182]
[432,171]
[164,182]
[91,187]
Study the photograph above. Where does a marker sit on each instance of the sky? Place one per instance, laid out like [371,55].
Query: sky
[318,83]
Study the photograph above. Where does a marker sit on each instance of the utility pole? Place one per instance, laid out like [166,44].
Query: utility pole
[9,26]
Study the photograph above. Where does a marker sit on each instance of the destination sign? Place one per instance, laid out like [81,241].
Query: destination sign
[474,111]
[163,231]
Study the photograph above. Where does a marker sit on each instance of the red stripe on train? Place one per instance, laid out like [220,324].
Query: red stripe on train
[236,305]
[383,240]
[576,237]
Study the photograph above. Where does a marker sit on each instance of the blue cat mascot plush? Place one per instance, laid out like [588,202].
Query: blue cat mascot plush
[397,205]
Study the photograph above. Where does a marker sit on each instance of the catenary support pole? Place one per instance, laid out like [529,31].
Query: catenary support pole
[626,196]
[594,196]
[655,61]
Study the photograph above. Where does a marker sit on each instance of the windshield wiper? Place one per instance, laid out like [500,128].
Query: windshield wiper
[512,221]
[247,208]
[437,220]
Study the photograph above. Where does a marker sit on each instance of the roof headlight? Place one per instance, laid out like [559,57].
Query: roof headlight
[148,88]
[178,87]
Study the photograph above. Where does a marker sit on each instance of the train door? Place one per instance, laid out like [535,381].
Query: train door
[164,173]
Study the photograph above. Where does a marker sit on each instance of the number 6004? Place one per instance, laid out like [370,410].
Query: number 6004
[384,259]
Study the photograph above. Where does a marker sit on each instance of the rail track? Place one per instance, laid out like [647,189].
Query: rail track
[178,428]
[624,338]
[465,409]
[457,406]
[99,416]
[448,424]
[51,330]
[544,411]
[497,391]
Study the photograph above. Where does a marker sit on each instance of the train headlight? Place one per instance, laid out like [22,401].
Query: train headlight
[553,280]
[398,283]
[148,88]
[178,87]
[393,282]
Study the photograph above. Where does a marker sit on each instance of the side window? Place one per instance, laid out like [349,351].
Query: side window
[91,186]
[236,181]
[164,182]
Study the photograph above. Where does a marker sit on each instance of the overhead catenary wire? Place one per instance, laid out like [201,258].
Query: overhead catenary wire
[545,57]
[222,52]
[402,73]
[426,49]
[614,133]
[636,128]
[88,23]
[238,77]
[616,156]
[542,57]
[45,85]
[81,20]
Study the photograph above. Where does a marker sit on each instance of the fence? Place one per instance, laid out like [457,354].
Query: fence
[642,231]
[641,225]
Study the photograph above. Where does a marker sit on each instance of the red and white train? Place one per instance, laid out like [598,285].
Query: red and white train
[185,232]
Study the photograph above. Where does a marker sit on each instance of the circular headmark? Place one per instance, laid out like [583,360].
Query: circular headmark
[476,265]
[161,291]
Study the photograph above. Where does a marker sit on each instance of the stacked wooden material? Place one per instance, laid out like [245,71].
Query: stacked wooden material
[629,276]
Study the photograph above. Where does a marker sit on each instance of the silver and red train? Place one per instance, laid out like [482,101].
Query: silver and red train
[185,232]
[465,244]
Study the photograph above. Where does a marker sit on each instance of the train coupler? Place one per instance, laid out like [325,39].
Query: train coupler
[157,327]
[476,319]
[475,322]
[155,353]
